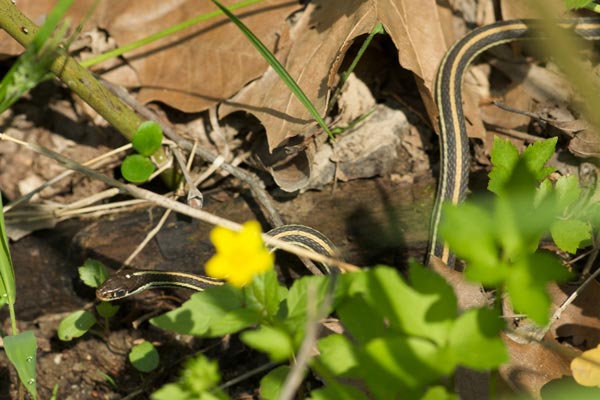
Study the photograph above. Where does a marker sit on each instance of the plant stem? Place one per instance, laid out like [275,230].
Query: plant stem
[77,78]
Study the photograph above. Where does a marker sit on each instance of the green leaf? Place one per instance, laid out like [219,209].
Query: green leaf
[197,315]
[338,354]
[199,376]
[148,138]
[8,289]
[297,304]
[137,168]
[272,383]
[264,294]
[569,234]
[408,310]
[575,4]
[439,393]
[526,285]
[75,325]
[504,158]
[567,191]
[144,357]
[362,319]
[473,242]
[171,391]
[537,155]
[394,365]
[276,342]
[232,322]
[106,309]
[474,339]
[21,351]
[543,193]
[337,391]
[93,273]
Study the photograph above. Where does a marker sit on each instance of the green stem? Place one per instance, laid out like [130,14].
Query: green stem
[13,319]
[77,78]
[378,28]
[162,34]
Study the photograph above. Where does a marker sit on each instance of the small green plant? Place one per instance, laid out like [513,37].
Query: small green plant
[79,322]
[501,248]
[147,140]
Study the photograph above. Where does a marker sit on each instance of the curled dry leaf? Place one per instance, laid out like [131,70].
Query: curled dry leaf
[190,70]
[320,40]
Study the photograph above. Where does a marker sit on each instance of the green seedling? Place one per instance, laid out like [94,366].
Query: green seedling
[144,357]
[137,168]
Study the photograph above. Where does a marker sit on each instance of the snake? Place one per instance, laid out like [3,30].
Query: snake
[454,156]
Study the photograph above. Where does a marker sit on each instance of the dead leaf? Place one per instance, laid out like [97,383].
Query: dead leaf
[190,70]
[319,42]
[532,365]
[586,368]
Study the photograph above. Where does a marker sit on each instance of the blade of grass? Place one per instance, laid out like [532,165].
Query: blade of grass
[276,65]
[378,28]
[164,33]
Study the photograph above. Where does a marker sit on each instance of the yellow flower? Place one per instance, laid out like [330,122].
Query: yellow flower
[240,255]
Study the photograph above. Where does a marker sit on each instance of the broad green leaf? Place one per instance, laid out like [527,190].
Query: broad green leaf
[276,342]
[338,391]
[196,316]
[526,284]
[21,351]
[427,283]
[439,393]
[475,342]
[567,191]
[575,4]
[504,158]
[137,168]
[106,309]
[171,391]
[569,234]
[144,357]
[473,242]
[362,320]
[403,365]
[232,322]
[148,138]
[537,155]
[75,325]
[542,193]
[272,383]
[8,290]
[408,311]
[264,294]
[338,354]
[296,304]
[93,273]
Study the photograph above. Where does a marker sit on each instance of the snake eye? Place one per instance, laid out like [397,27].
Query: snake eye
[120,293]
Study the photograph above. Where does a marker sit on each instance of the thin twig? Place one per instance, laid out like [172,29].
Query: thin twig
[149,236]
[95,163]
[184,209]
[261,195]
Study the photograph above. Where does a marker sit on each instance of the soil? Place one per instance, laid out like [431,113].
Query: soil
[395,212]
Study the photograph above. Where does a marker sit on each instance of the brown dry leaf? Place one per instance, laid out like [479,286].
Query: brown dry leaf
[532,365]
[193,69]
[586,368]
[320,39]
